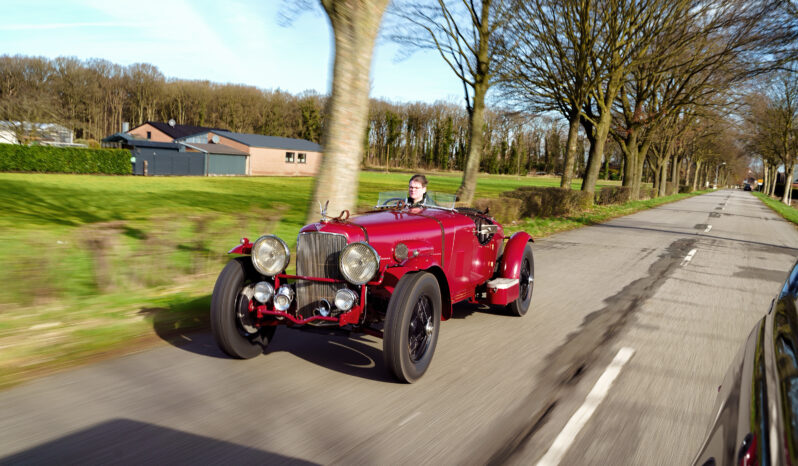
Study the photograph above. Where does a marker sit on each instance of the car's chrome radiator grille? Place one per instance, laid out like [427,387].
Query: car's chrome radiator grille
[317,256]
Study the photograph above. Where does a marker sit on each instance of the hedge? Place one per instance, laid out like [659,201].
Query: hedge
[46,159]
[550,202]
[645,193]
[505,210]
[613,195]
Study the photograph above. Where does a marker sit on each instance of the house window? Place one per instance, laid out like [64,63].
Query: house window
[149,134]
[289,157]
[301,158]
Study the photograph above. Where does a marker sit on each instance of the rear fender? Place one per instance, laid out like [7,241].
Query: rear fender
[513,255]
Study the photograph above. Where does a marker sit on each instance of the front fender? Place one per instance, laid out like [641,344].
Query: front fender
[514,255]
[244,248]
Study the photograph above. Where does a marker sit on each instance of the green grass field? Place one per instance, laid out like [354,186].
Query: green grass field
[99,264]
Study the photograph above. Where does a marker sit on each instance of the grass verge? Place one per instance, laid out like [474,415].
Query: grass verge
[789,213]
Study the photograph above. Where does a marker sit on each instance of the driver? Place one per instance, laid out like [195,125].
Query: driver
[417,191]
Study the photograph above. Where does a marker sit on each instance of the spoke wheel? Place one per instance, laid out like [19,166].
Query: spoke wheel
[421,327]
[232,324]
[526,282]
[412,323]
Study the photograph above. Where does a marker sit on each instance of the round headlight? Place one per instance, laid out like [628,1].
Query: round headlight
[345,299]
[263,292]
[359,263]
[270,255]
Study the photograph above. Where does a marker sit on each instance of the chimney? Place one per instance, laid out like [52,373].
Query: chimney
[125,126]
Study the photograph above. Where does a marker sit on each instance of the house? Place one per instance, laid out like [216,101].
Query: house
[268,155]
[171,158]
[165,132]
[45,134]
[172,149]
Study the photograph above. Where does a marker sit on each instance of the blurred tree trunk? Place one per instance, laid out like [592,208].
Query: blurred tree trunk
[355,24]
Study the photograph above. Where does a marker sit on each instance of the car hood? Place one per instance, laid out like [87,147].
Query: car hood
[384,229]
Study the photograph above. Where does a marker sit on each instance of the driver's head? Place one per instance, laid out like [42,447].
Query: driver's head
[417,188]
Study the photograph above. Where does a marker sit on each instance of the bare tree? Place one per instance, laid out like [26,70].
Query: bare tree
[545,65]
[776,124]
[465,34]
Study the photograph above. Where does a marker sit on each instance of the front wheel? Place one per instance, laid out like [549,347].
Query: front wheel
[232,323]
[526,281]
[412,323]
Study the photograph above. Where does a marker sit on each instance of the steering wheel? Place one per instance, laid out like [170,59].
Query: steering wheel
[394,201]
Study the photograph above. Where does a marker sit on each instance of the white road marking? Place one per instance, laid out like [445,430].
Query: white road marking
[688,257]
[709,227]
[582,415]
[409,418]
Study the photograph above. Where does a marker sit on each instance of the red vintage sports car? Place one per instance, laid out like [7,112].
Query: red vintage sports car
[394,272]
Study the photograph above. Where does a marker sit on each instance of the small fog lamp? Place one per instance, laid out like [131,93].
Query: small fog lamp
[263,292]
[324,308]
[283,298]
[345,299]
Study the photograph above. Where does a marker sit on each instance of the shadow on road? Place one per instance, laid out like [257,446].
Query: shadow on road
[124,441]
[185,325]
[353,354]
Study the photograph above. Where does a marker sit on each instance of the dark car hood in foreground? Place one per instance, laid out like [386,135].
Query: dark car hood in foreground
[756,411]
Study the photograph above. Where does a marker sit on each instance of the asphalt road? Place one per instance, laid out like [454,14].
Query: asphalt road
[500,389]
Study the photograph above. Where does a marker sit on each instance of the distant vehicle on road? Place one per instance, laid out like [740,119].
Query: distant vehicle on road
[747,187]
[394,273]
[756,410]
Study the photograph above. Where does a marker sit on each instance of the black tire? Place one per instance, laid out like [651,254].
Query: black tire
[412,323]
[526,282]
[231,326]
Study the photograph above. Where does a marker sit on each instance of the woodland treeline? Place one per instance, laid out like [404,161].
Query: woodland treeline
[94,97]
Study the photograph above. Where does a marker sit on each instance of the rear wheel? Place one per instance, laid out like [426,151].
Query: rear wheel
[526,281]
[412,323]
[232,324]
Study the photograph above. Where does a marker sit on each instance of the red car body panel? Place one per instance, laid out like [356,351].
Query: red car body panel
[514,255]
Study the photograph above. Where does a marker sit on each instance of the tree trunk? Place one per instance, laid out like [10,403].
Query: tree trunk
[774,176]
[788,177]
[663,177]
[642,152]
[596,152]
[355,24]
[570,151]
[695,175]
[631,167]
[675,173]
[468,186]
[765,178]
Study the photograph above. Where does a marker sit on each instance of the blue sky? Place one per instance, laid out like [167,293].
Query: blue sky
[237,41]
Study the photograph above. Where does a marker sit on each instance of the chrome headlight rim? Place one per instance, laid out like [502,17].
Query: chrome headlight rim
[256,261]
[374,256]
